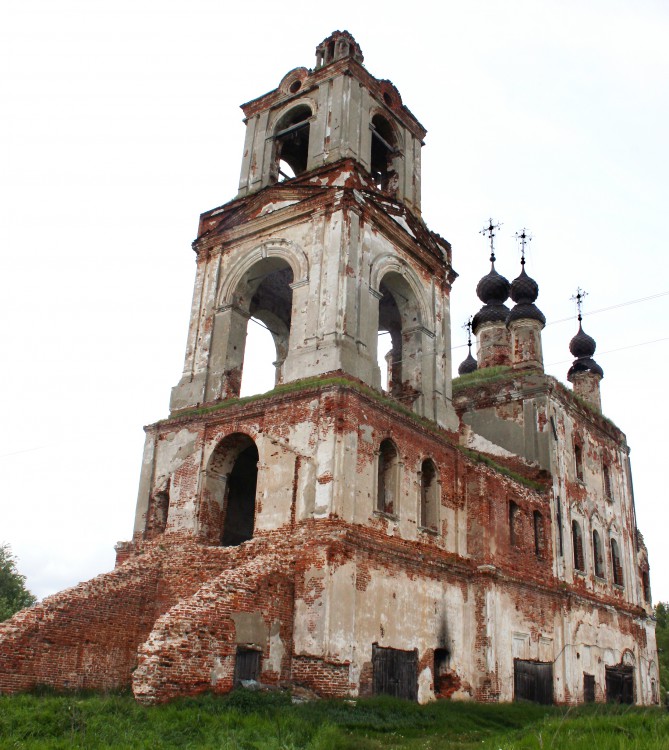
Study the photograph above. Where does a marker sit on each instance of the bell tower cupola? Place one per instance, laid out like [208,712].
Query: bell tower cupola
[316,118]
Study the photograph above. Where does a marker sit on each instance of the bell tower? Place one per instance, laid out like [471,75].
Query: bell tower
[324,245]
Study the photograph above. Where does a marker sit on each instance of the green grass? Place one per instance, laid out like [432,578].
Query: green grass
[253,721]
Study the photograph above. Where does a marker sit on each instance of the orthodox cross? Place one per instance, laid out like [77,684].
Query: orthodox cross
[578,298]
[523,237]
[468,327]
[490,231]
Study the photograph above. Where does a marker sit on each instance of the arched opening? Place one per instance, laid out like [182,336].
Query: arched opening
[539,543]
[645,582]
[577,544]
[429,495]
[228,509]
[291,144]
[514,524]
[262,302]
[578,461]
[384,153]
[400,327]
[615,564]
[157,512]
[388,478]
[606,471]
[598,554]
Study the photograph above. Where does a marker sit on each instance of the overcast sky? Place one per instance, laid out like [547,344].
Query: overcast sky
[121,125]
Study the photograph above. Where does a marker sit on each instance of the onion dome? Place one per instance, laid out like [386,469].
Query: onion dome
[470,364]
[493,291]
[524,292]
[583,347]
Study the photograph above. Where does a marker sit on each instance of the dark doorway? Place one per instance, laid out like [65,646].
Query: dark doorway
[620,684]
[247,665]
[588,687]
[533,681]
[395,672]
[240,502]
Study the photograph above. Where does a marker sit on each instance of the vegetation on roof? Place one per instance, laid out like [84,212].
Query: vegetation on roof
[484,375]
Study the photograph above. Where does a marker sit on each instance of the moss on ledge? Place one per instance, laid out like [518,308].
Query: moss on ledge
[485,375]
[387,401]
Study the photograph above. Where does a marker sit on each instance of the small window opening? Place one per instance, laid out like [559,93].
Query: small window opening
[558,514]
[157,512]
[607,481]
[538,534]
[598,554]
[295,86]
[387,477]
[615,564]
[429,495]
[291,144]
[384,151]
[514,524]
[577,542]
[578,461]
[645,582]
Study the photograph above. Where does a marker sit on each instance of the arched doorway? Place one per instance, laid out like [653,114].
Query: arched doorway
[230,494]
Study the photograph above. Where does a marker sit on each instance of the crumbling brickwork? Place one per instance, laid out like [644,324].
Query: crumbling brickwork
[333,533]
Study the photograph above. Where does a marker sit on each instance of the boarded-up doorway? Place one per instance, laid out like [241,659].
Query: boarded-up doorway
[533,681]
[620,684]
[588,687]
[247,665]
[395,672]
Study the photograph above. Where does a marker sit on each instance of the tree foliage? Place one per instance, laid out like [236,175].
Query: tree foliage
[662,635]
[13,592]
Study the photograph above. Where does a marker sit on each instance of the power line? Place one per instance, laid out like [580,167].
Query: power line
[610,351]
[600,310]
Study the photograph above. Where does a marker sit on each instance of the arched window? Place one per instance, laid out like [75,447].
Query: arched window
[578,461]
[539,542]
[616,565]
[228,508]
[645,582]
[577,544]
[514,524]
[598,554]
[606,471]
[388,478]
[291,144]
[384,154]
[399,316]
[429,495]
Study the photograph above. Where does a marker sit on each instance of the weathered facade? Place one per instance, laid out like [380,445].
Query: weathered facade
[426,540]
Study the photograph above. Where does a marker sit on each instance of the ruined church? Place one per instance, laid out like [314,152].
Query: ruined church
[352,531]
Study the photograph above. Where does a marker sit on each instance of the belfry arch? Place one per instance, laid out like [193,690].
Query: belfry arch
[261,291]
[227,508]
[400,315]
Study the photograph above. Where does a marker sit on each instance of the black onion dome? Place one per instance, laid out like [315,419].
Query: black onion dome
[523,311]
[493,313]
[524,289]
[585,364]
[582,345]
[493,288]
[468,365]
